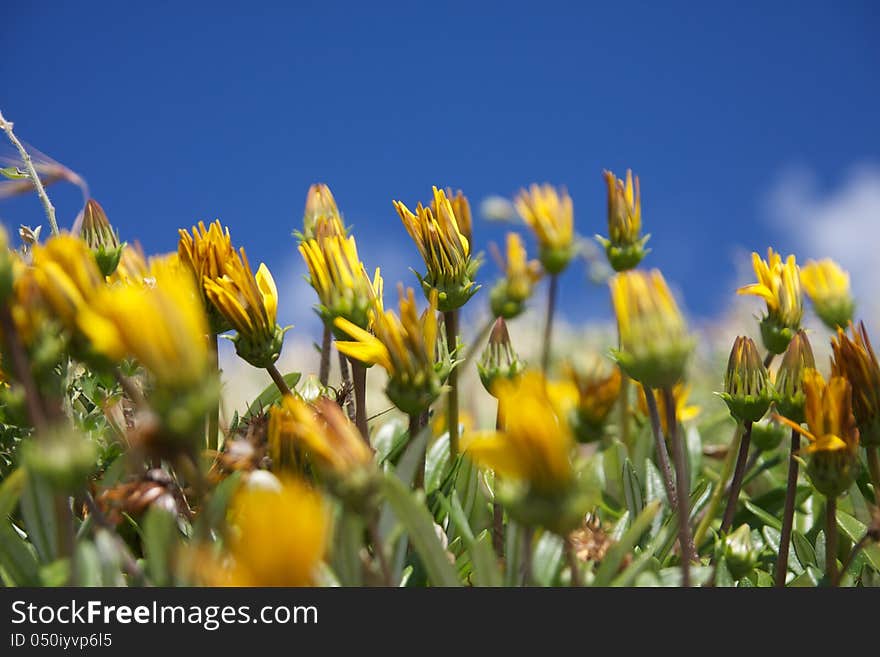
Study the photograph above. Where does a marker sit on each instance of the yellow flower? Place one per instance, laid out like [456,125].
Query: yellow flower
[404,346]
[209,253]
[250,304]
[597,382]
[536,443]
[340,279]
[684,412]
[625,245]
[827,285]
[278,537]
[550,215]
[163,326]
[322,431]
[461,208]
[67,276]
[832,432]
[854,358]
[779,285]
[654,342]
[321,217]
[132,267]
[444,248]
[509,295]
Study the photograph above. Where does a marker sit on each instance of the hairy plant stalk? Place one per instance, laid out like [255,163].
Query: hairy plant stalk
[359,380]
[788,511]
[280,383]
[718,493]
[324,367]
[682,488]
[873,454]
[214,413]
[738,474]
[450,321]
[660,445]
[548,327]
[130,388]
[6,126]
[831,540]
[346,383]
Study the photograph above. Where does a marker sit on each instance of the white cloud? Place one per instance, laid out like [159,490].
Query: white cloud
[842,223]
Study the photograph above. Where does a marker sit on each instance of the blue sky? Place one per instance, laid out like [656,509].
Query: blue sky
[743,120]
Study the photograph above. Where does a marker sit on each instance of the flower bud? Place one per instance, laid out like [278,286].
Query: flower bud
[827,286]
[767,436]
[739,553]
[598,384]
[65,459]
[625,246]
[789,395]
[746,389]
[550,214]
[499,360]
[854,359]
[508,298]
[97,232]
[321,217]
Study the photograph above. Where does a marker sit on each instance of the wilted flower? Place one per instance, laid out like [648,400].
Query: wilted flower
[509,295]
[550,214]
[444,248]
[827,286]
[625,246]
[321,217]
[598,382]
[100,236]
[789,395]
[340,279]
[684,412]
[832,432]
[278,537]
[779,285]
[746,388]
[499,360]
[854,358]
[654,342]
[404,346]
[210,254]
[250,304]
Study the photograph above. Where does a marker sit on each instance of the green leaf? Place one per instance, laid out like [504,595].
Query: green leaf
[347,541]
[159,532]
[13,173]
[55,574]
[389,438]
[17,559]
[271,394]
[10,492]
[420,526]
[88,564]
[435,463]
[616,554]
[804,551]
[485,570]
[856,531]
[723,578]
[38,513]
[632,489]
[547,559]
[513,551]
[694,444]
[215,510]
[763,516]
[809,578]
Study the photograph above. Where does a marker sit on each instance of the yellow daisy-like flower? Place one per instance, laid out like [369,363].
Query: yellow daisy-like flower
[461,208]
[404,346]
[321,217]
[654,342]
[209,253]
[444,248]
[509,295]
[832,432]
[598,382]
[827,286]
[536,443]
[779,285]
[854,358]
[340,279]
[250,304]
[278,537]
[625,245]
[684,412]
[550,214]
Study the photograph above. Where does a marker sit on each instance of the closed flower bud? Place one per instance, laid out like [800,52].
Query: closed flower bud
[550,214]
[789,395]
[101,238]
[746,389]
[598,382]
[508,298]
[625,246]
[739,552]
[321,217]
[767,435]
[654,341]
[854,358]
[827,286]
[499,360]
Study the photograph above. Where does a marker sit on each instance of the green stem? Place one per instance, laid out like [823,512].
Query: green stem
[415,425]
[497,510]
[873,454]
[379,550]
[738,474]
[359,379]
[6,126]
[324,366]
[280,383]
[682,488]
[788,511]
[718,493]
[346,383]
[214,412]
[527,535]
[831,540]
[660,445]
[450,321]
[548,327]
[624,410]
